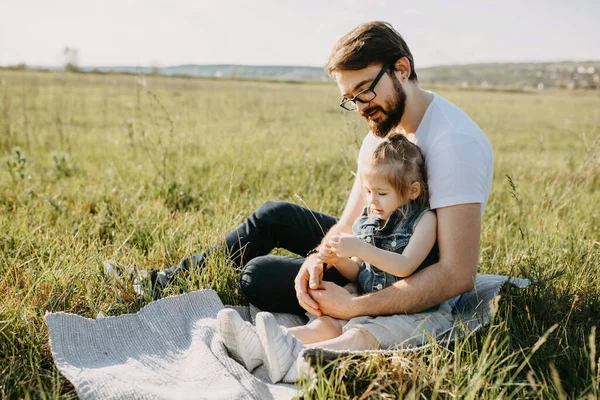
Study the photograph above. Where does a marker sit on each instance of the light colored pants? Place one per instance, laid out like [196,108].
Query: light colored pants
[405,329]
[402,329]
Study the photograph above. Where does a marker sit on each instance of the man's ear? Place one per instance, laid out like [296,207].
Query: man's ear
[402,68]
[414,191]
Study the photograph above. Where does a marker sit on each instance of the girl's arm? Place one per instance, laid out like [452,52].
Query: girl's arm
[401,265]
[419,246]
[348,267]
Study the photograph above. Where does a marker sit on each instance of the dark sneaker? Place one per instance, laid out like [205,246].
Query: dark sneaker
[154,280]
[159,281]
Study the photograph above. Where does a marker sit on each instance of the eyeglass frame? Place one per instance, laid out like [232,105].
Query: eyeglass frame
[371,88]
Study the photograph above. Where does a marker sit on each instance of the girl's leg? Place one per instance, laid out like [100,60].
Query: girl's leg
[282,349]
[240,338]
[352,339]
[322,329]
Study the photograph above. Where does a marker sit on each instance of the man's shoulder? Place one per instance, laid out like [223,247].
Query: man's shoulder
[451,118]
[449,123]
[370,142]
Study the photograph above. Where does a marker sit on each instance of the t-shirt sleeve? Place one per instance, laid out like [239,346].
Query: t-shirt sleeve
[457,169]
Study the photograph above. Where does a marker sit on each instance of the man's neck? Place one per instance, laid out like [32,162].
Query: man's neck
[417,101]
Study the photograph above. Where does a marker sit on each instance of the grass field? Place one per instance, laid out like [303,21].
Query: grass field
[149,170]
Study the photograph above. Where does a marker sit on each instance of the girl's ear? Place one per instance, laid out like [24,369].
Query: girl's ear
[414,191]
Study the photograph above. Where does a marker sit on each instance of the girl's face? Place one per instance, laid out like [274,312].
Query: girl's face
[382,198]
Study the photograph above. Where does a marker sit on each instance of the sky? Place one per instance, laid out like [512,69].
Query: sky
[298,32]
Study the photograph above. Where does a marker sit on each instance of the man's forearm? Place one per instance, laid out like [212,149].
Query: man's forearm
[426,288]
[458,230]
[352,210]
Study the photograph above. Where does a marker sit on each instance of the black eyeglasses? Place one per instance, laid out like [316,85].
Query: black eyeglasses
[364,96]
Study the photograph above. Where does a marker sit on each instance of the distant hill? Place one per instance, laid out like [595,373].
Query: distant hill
[567,74]
[293,73]
[539,75]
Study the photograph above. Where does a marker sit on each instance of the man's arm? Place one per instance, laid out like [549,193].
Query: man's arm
[459,228]
[354,206]
[311,272]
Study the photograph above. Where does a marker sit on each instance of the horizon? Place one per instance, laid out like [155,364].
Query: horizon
[57,66]
[158,33]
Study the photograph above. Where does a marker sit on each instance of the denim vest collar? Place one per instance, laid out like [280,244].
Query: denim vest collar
[396,217]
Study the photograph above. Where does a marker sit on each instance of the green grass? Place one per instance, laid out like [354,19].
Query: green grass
[100,166]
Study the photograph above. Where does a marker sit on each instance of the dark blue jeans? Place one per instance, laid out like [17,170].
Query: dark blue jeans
[268,280]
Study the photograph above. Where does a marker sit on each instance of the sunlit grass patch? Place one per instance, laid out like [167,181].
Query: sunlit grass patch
[97,167]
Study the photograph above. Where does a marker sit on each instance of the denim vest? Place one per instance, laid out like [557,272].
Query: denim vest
[393,236]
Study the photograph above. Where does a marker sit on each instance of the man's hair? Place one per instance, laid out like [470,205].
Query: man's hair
[369,43]
[400,163]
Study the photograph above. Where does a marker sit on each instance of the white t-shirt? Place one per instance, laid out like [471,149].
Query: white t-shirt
[458,155]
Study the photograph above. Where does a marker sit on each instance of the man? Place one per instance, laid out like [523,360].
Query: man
[459,163]
[375,73]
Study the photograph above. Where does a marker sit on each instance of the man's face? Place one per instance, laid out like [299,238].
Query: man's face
[385,111]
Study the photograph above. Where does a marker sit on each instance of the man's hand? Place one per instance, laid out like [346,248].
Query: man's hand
[334,301]
[310,275]
[345,245]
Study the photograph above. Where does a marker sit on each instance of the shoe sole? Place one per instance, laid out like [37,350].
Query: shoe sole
[269,356]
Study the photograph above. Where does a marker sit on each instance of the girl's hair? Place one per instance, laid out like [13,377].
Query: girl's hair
[400,163]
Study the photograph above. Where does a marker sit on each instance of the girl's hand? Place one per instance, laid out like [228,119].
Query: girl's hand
[327,256]
[345,245]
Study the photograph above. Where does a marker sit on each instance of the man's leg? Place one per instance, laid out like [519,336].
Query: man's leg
[274,224]
[268,282]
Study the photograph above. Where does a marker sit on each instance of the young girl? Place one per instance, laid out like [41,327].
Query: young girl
[392,239]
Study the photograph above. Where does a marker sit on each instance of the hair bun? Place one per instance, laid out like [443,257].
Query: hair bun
[397,137]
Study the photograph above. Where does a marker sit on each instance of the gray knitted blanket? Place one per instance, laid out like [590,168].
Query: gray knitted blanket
[170,348]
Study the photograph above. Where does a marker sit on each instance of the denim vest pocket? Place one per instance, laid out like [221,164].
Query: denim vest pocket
[390,279]
[365,279]
[372,279]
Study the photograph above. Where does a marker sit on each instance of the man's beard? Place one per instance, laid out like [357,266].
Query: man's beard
[394,112]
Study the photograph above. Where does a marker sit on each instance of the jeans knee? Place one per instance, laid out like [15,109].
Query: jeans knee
[250,277]
[246,280]
[271,211]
